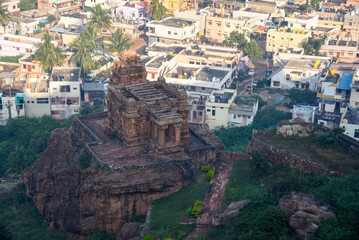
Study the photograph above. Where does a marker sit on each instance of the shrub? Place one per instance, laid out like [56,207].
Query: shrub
[210,175]
[83,161]
[197,208]
[302,96]
[148,237]
[189,212]
[207,168]
[259,163]
[326,140]
[339,130]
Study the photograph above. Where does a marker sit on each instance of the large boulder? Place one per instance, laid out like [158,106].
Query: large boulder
[231,212]
[129,231]
[304,212]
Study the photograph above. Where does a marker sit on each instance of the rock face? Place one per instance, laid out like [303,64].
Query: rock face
[129,231]
[304,212]
[231,212]
[135,154]
[298,130]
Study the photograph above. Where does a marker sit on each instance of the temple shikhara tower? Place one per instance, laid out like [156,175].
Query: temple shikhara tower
[143,113]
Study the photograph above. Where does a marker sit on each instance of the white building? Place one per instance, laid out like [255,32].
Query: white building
[73,19]
[354,96]
[11,106]
[242,111]
[65,91]
[350,122]
[172,30]
[304,112]
[217,108]
[302,21]
[303,73]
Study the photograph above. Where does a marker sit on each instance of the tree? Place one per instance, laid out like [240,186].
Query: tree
[18,160]
[4,15]
[253,51]
[157,10]
[236,40]
[84,48]
[27,5]
[49,55]
[51,18]
[204,39]
[312,46]
[119,42]
[100,19]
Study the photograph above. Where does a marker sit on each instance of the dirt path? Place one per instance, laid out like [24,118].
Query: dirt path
[213,201]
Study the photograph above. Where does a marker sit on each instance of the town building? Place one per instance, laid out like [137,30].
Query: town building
[12,6]
[217,108]
[24,22]
[158,66]
[14,45]
[354,95]
[162,49]
[175,5]
[8,72]
[350,123]
[172,30]
[94,92]
[65,91]
[242,111]
[131,11]
[302,73]
[11,105]
[304,112]
[31,70]
[326,93]
[61,7]
[73,19]
[302,21]
[286,37]
[351,24]
[331,19]
[344,49]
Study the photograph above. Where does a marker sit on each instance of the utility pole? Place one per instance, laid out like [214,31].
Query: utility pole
[252,85]
[9,108]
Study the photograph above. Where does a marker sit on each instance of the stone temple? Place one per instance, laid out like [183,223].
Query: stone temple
[142,149]
[143,113]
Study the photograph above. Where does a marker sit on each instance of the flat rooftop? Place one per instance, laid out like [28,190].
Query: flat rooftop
[222,97]
[173,22]
[306,63]
[75,15]
[210,53]
[157,48]
[204,73]
[352,116]
[63,74]
[157,62]
[208,74]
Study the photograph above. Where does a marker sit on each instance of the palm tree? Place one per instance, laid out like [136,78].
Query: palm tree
[85,48]
[119,42]
[4,15]
[17,160]
[49,55]
[100,19]
[157,9]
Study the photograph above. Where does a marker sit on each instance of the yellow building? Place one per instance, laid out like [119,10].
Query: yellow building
[283,37]
[175,5]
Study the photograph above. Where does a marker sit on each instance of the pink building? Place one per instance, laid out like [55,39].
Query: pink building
[344,49]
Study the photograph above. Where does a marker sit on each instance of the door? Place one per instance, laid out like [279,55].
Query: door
[28,68]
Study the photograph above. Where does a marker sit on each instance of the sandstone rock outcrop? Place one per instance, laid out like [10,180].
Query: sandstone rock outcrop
[304,212]
[231,212]
[139,151]
[297,130]
[129,231]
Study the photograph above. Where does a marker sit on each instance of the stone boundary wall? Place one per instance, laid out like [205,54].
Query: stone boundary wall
[349,144]
[284,157]
[225,155]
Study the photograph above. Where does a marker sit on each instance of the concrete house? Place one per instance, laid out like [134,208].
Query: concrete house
[172,30]
[354,95]
[11,105]
[242,111]
[350,122]
[303,73]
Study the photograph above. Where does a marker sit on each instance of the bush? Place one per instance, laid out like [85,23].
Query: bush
[197,208]
[207,168]
[326,140]
[259,163]
[148,237]
[210,175]
[51,18]
[189,212]
[303,96]
[339,130]
[84,161]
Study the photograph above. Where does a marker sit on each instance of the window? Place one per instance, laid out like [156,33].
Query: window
[42,100]
[153,76]
[213,112]
[276,83]
[169,32]
[287,77]
[33,66]
[32,102]
[209,22]
[304,74]
[229,65]
[198,63]
[303,25]
[193,88]
[208,110]
[75,88]
[175,33]
[17,49]
[191,62]
[339,90]
[203,88]
[65,88]
[24,66]
[54,88]
[356,133]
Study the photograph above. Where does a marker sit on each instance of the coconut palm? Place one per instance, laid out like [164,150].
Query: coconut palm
[119,42]
[49,55]
[4,15]
[157,10]
[100,19]
[84,48]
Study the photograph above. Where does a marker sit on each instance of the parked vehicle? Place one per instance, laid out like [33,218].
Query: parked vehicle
[251,72]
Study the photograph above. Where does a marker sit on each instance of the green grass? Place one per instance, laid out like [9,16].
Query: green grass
[11,59]
[333,157]
[168,212]
[21,219]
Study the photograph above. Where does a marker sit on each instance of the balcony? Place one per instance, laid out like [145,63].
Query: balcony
[355,84]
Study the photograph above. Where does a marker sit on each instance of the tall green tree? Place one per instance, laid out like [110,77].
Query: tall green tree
[312,46]
[85,48]
[49,55]
[119,42]
[100,19]
[253,51]
[26,5]
[18,160]
[236,40]
[157,10]
[4,15]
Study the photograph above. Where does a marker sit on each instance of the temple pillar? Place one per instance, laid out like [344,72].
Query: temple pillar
[170,131]
[161,137]
[154,131]
[177,128]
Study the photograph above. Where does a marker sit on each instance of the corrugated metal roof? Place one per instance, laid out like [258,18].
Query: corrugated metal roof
[345,81]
